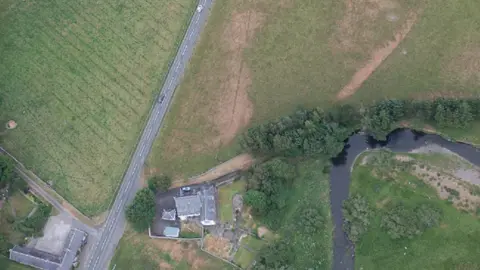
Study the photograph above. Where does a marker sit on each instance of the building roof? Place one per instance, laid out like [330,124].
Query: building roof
[188,205]
[209,205]
[169,214]
[43,260]
[171,232]
[34,258]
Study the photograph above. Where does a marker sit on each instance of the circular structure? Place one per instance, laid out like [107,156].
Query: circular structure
[11,124]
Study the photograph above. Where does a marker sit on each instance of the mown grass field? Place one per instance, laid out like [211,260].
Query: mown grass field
[139,252]
[259,60]
[452,245]
[79,78]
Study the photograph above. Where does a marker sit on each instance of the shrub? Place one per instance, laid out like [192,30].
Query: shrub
[159,183]
[357,214]
[404,222]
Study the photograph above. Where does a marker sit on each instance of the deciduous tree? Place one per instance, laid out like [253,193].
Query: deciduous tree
[142,210]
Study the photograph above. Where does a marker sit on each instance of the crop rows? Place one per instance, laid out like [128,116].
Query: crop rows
[79,78]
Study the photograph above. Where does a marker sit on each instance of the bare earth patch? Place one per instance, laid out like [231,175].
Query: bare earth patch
[377,57]
[181,251]
[355,27]
[217,245]
[234,109]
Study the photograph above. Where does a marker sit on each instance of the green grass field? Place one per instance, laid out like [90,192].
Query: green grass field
[139,252]
[79,78]
[225,196]
[452,245]
[290,54]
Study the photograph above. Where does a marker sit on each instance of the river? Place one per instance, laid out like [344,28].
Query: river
[400,140]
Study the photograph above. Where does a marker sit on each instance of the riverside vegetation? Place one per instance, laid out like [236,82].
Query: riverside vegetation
[315,135]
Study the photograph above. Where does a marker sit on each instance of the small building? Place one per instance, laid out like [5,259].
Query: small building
[188,206]
[209,206]
[171,232]
[169,214]
[46,261]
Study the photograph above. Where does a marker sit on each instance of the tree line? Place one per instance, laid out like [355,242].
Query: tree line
[323,132]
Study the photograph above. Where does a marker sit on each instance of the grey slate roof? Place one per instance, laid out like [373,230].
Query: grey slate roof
[43,260]
[188,206]
[209,205]
[34,258]
[169,214]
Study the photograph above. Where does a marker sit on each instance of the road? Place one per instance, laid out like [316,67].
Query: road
[114,226]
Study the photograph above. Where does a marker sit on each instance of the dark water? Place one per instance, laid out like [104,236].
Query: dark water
[400,140]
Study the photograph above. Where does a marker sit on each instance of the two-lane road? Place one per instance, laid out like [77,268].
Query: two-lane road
[113,228]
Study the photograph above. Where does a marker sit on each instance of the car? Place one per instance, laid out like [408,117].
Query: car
[186,188]
[199,8]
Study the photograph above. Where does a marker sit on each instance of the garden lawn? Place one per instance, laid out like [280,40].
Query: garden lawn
[79,78]
[243,258]
[452,245]
[21,205]
[225,196]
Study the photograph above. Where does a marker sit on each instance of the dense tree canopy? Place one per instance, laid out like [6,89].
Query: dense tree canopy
[268,186]
[257,200]
[159,183]
[142,210]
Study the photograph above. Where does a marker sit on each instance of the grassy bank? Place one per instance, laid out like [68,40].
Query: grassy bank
[451,244]
[79,78]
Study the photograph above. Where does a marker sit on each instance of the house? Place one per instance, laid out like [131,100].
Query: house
[43,260]
[203,205]
[209,206]
[188,206]
[171,232]
[169,214]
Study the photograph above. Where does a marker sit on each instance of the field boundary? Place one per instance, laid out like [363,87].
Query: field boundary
[77,213]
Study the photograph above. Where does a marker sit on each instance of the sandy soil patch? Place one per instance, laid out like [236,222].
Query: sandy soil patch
[355,27]
[217,245]
[262,231]
[240,162]
[464,67]
[403,158]
[377,57]
[449,187]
